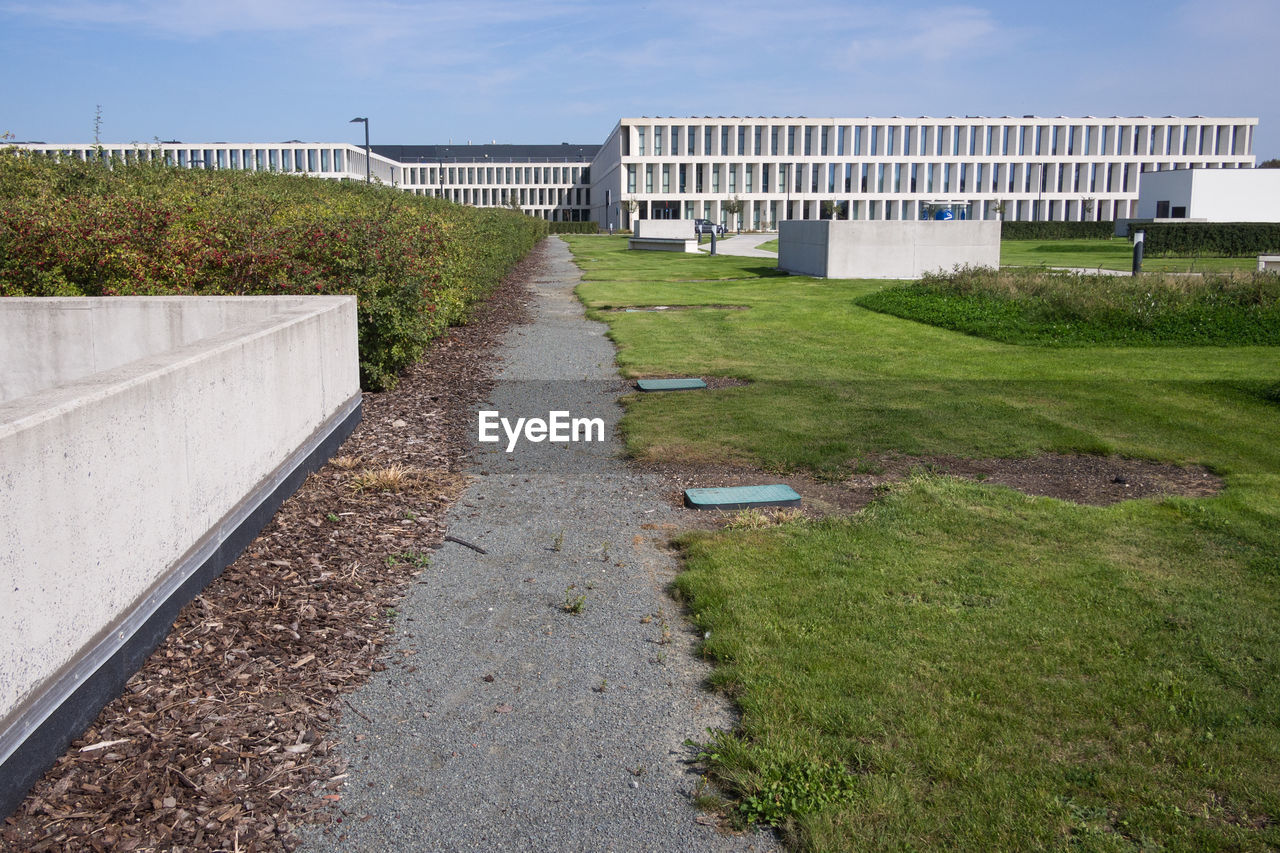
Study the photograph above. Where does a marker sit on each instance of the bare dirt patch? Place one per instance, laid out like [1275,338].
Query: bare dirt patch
[224,739]
[1092,480]
[646,309]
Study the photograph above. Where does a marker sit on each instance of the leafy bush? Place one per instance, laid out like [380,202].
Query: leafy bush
[573,227]
[1015,230]
[1212,239]
[1048,308]
[415,264]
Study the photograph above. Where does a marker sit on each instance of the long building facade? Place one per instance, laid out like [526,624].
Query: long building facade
[753,172]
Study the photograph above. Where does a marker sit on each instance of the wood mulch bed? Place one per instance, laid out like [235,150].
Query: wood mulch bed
[224,739]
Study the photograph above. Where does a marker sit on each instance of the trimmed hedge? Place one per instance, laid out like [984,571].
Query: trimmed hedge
[1015,230]
[573,227]
[415,264]
[1209,239]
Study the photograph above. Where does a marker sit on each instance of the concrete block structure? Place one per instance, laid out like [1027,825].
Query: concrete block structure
[143,442]
[906,250]
[777,168]
[664,235]
[1211,195]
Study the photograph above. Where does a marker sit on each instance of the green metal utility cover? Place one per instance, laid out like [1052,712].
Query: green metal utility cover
[741,497]
[688,384]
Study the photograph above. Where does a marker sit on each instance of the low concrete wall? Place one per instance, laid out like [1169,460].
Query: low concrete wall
[662,244]
[1268,263]
[875,249]
[681,229]
[139,436]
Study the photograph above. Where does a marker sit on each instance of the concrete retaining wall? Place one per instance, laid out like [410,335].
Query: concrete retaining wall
[138,437]
[891,249]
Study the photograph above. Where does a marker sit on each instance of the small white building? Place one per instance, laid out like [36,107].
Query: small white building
[1210,195]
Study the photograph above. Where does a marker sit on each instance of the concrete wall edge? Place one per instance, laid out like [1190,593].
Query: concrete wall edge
[40,729]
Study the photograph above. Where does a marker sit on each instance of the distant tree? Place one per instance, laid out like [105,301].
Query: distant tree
[513,202]
[1273,163]
[628,206]
[733,207]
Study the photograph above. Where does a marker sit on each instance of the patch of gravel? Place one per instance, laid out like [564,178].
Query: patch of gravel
[540,694]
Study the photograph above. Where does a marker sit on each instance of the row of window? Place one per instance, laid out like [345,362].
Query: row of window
[525,196]
[500,175]
[938,140]
[747,178]
[766,214]
[320,160]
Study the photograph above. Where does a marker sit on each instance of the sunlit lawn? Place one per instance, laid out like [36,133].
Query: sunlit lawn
[961,665]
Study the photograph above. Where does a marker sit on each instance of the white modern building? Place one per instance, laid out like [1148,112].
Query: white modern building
[774,168]
[1025,168]
[1211,195]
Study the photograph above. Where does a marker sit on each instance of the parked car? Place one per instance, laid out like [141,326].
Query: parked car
[706,226]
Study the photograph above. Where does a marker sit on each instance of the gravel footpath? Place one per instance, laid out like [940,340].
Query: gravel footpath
[504,721]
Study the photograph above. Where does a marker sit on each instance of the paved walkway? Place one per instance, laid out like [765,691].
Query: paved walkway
[506,722]
[743,244]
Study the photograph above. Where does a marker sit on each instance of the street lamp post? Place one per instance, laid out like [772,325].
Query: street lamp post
[367,159]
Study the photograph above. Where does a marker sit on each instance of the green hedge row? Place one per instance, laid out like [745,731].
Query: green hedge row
[415,264]
[1209,239]
[573,227]
[1014,230]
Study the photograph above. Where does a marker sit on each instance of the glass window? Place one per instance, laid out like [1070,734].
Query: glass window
[831,177]
[840,141]
[658,133]
[631,178]
[791,139]
[857,141]
[826,141]
[666,177]
[742,140]
[724,140]
[875,140]
[715,179]
[640,141]
[690,134]
[733,178]
[764,177]
[648,178]
[773,143]
[706,140]
[758,142]
[889,133]
[746,186]
[808,140]
[684,178]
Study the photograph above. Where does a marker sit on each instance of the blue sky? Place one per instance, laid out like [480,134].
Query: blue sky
[566,70]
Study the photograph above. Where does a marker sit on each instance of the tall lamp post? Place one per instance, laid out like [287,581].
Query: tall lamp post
[367,158]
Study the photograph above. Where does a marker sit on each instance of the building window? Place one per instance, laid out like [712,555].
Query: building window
[706,140]
[640,141]
[826,141]
[889,133]
[658,133]
[684,178]
[747,178]
[733,178]
[875,140]
[715,179]
[791,139]
[666,177]
[764,177]
[691,134]
[773,140]
[742,140]
[758,142]
[648,178]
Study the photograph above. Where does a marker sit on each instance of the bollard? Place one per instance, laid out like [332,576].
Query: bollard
[713,240]
[1138,238]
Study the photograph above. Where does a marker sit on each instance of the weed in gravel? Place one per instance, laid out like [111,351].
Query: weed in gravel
[344,463]
[573,604]
[558,545]
[415,558]
[334,517]
[392,478]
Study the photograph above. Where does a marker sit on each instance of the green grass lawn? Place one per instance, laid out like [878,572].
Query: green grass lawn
[961,665]
[769,245]
[1113,254]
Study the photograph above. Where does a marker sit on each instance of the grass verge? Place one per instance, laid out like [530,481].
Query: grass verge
[961,665]
[1113,254]
[1043,307]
